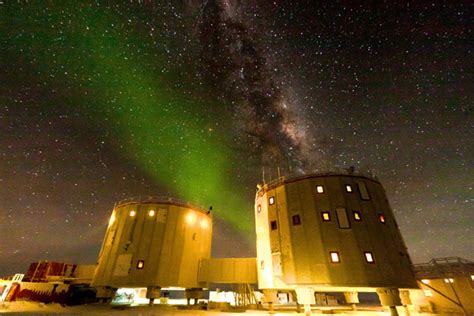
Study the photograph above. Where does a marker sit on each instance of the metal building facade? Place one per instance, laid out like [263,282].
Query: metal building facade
[329,232]
[154,243]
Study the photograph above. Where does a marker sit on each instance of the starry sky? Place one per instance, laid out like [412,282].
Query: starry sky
[200,100]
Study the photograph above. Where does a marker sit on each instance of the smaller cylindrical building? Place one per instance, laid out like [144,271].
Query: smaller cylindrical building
[153,242]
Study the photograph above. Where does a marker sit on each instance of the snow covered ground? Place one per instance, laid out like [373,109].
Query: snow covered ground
[34,308]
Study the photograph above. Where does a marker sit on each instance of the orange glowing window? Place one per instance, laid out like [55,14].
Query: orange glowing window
[382,218]
[334,257]
[259,208]
[369,257]
[326,216]
[319,189]
[190,218]
[357,216]
[132,213]
[151,213]
[140,264]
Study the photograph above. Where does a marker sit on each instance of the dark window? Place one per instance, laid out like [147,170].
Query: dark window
[326,216]
[342,218]
[140,264]
[381,218]
[364,194]
[356,215]
[296,220]
[273,225]
[369,257]
[271,200]
[319,189]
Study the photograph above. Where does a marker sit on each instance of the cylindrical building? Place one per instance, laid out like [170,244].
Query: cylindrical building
[329,232]
[153,242]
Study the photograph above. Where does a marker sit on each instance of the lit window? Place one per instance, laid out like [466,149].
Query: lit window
[259,208]
[425,281]
[369,257]
[428,293]
[326,216]
[140,264]
[356,215]
[296,220]
[273,225]
[472,277]
[190,218]
[349,188]
[334,257]
[133,213]
[204,224]
[151,213]
[382,218]
[271,200]
[319,189]
[449,280]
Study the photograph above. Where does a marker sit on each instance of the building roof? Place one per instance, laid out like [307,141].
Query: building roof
[443,267]
[160,200]
[293,178]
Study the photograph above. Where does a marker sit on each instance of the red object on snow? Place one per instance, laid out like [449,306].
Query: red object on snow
[39,271]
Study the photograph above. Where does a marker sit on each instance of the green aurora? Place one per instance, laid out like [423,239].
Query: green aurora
[166,133]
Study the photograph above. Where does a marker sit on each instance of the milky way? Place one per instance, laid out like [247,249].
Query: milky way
[198,99]
[238,70]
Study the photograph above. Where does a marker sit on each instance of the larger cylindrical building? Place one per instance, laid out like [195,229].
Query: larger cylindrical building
[329,232]
[153,242]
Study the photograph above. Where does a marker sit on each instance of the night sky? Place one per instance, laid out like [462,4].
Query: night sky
[198,99]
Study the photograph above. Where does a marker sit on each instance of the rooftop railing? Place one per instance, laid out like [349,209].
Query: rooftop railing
[159,199]
[445,266]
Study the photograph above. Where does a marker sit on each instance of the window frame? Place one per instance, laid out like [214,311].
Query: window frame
[329,216]
[354,213]
[370,253]
[343,216]
[271,200]
[322,188]
[364,191]
[273,225]
[337,255]
[298,222]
